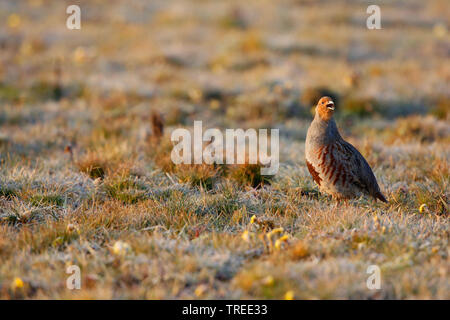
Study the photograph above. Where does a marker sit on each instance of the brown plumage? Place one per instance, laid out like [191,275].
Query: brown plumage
[157,126]
[335,165]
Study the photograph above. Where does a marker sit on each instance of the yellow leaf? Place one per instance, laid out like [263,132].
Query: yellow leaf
[200,290]
[422,207]
[289,295]
[17,283]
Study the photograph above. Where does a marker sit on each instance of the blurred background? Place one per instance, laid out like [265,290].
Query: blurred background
[86,176]
[258,64]
[257,61]
[136,65]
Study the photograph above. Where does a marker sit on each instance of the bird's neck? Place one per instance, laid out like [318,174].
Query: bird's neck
[326,129]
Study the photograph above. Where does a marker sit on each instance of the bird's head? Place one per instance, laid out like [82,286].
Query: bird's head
[325,108]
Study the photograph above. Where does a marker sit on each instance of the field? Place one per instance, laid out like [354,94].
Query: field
[86,178]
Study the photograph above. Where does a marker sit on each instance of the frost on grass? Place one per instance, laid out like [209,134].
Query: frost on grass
[86,180]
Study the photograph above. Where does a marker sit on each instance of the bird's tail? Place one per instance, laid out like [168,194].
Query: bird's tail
[379,195]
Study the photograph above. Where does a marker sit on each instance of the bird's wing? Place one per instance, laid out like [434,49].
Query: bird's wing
[362,175]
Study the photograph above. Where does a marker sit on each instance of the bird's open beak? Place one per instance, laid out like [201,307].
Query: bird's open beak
[330,105]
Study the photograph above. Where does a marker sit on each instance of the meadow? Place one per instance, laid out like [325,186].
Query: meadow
[86,177]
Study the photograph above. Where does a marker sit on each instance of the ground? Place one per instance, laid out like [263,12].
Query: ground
[85,180]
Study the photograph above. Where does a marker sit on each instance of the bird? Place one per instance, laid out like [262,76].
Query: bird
[336,166]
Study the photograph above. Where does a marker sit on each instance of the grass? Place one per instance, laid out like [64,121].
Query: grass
[86,177]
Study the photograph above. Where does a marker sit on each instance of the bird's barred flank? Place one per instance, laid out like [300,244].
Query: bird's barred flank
[313,172]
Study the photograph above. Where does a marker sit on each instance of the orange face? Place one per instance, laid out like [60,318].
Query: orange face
[325,108]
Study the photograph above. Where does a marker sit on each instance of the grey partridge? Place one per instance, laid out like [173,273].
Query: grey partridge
[335,165]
